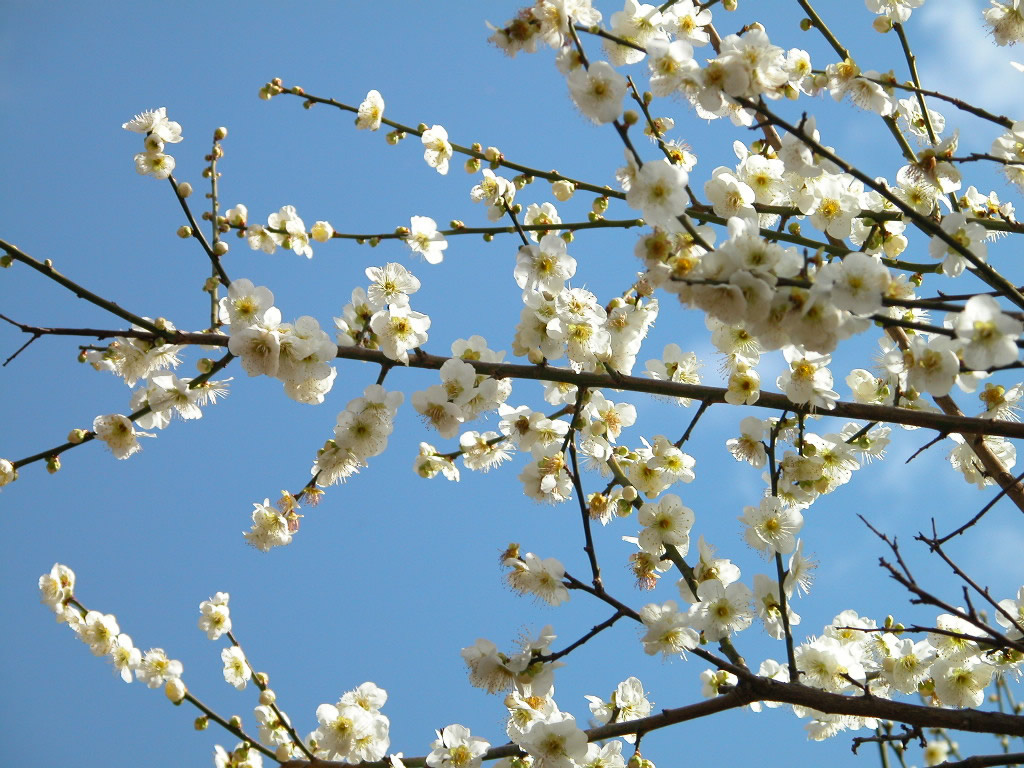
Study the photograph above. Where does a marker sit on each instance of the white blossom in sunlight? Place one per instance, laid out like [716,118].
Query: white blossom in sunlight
[118,432]
[808,380]
[456,748]
[1006,18]
[668,630]
[989,334]
[961,683]
[424,239]
[555,743]
[155,669]
[898,11]
[215,616]
[666,523]
[270,528]
[771,527]
[236,668]
[371,110]
[437,151]
[530,575]
[598,91]
[723,608]
[686,20]
[400,329]
[659,192]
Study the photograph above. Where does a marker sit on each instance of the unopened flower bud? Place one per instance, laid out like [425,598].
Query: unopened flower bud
[882,24]
[283,753]
[535,356]
[493,155]
[261,678]
[53,465]
[488,237]
[322,231]
[629,493]
[374,242]
[267,697]
[83,356]
[391,137]
[75,436]
[220,134]
[220,248]
[6,260]
[175,690]
[201,723]
[568,236]
[473,165]
[204,365]
[729,5]
[630,117]
[184,190]
[600,205]
[563,190]
[235,722]
[184,231]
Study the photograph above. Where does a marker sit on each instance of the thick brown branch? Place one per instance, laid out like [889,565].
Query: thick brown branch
[942,422]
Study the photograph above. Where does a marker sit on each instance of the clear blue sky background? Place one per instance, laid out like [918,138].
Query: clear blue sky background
[391,575]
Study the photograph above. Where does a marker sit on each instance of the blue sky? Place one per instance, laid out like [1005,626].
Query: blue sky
[391,575]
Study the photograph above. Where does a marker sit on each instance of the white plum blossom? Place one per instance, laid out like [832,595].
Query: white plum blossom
[544,267]
[236,668]
[771,527]
[399,329]
[530,575]
[808,380]
[437,150]
[989,334]
[270,528]
[598,91]
[666,523]
[424,239]
[659,191]
[371,110]
[215,616]
[1006,17]
[668,630]
[455,747]
[118,432]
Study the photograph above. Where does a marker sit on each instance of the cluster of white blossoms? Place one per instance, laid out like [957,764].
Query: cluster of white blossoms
[104,637]
[167,396]
[352,730]
[463,395]
[558,321]
[379,317]
[296,353]
[135,359]
[361,432]
[283,229]
[159,132]
[950,667]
